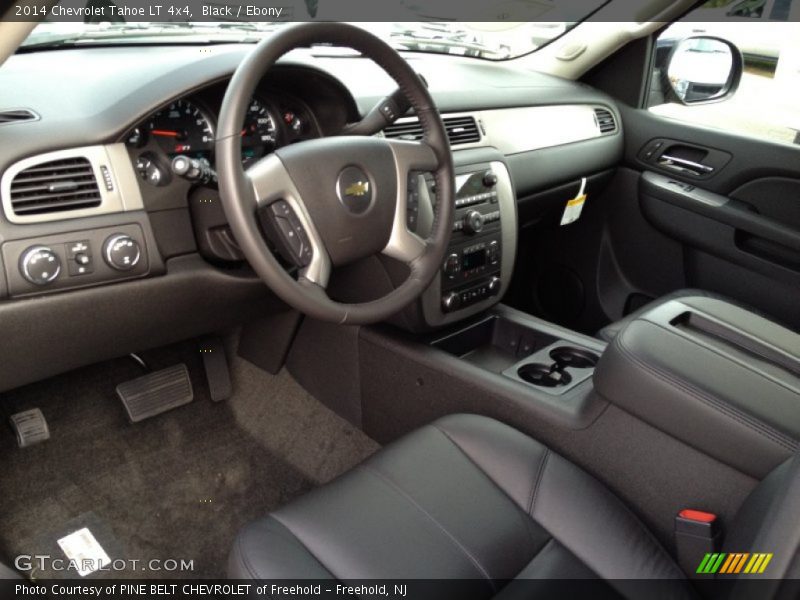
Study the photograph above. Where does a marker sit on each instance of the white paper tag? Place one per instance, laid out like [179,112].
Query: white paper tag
[572,211]
[85,551]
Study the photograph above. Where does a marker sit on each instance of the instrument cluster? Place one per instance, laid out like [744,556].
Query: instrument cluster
[186,128]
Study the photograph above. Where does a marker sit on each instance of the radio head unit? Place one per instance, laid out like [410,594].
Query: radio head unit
[483,238]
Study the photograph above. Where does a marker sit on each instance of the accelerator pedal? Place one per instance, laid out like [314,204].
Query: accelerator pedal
[30,427]
[156,392]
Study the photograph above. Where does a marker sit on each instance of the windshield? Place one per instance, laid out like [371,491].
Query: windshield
[495,40]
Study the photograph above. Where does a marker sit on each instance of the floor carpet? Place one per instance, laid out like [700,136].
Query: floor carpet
[176,486]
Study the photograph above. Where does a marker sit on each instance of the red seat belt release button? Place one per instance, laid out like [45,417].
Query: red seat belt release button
[697,515]
[696,533]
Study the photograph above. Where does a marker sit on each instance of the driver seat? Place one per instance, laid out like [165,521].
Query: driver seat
[469,498]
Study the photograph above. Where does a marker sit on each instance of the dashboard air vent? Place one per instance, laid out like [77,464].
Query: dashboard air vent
[59,185]
[605,120]
[16,115]
[460,130]
[407,130]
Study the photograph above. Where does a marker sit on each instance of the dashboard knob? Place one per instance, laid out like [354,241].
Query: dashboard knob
[452,265]
[473,222]
[40,265]
[494,285]
[489,179]
[122,252]
[493,252]
[150,170]
[450,302]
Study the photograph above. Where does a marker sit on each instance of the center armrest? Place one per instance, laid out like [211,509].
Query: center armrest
[715,376]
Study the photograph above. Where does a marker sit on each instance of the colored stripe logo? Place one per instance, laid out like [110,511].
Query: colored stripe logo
[735,562]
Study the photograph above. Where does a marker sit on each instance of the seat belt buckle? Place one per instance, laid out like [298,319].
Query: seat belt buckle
[697,533]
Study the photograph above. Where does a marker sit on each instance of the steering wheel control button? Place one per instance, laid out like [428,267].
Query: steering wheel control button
[40,265]
[389,111]
[122,252]
[354,190]
[412,203]
[288,234]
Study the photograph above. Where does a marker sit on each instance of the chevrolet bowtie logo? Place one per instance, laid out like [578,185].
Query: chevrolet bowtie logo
[359,188]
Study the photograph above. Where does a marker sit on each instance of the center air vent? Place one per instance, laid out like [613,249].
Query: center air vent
[55,186]
[605,121]
[460,130]
[16,115]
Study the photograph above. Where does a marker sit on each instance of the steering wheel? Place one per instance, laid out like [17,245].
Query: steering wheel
[331,201]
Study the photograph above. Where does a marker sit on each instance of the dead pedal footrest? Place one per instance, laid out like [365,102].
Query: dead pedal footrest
[30,427]
[156,392]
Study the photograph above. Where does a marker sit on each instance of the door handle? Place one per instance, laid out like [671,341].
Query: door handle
[683,165]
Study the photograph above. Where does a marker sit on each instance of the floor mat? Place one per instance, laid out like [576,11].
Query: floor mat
[177,486]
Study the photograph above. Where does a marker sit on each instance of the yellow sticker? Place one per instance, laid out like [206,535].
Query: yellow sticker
[572,211]
[576,201]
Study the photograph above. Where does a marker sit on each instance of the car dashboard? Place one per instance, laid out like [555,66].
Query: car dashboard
[106,247]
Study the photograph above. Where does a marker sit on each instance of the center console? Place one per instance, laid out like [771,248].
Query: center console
[548,361]
[480,258]
[714,376]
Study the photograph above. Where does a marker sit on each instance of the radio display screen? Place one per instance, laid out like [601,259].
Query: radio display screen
[473,260]
[469,184]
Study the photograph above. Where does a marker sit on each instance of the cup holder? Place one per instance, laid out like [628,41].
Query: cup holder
[578,358]
[555,368]
[544,375]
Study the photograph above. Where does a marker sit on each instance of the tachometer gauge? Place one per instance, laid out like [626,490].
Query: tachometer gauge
[182,128]
[259,134]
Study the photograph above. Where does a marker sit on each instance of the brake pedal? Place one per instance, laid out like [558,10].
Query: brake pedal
[30,427]
[156,392]
[217,372]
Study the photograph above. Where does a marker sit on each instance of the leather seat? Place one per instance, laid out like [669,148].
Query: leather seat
[610,331]
[468,498]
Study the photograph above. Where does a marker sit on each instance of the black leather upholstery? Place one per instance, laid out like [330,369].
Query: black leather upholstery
[463,498]
[769,519]
[610,331]
[711,374]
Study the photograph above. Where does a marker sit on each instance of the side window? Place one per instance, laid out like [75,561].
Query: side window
[765,103]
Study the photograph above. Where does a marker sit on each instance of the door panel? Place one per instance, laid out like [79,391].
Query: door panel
[730,202]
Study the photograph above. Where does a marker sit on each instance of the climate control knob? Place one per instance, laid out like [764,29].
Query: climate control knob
[473,222]
[122,252]
[450,302]
[495,285]
[40,265]
[452,265]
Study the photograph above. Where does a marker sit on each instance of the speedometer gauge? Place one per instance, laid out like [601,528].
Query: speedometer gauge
[182,128]
[259,134]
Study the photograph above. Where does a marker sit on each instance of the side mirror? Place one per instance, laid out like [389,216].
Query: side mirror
[703,69]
